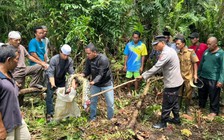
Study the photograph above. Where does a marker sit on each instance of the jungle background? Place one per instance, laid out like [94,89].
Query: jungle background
[109,25]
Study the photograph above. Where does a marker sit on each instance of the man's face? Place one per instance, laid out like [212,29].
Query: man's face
[64,56]
[194,40]
[179,44]
[45,32]
[12,62]
[135,38]
[159,46]
[167,38]
[14,42]
[90,54]
[211,45]
[39,33]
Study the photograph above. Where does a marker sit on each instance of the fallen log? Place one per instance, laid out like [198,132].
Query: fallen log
[139,104]
[32,90]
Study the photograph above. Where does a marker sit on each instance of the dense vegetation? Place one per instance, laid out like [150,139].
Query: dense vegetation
[109,24]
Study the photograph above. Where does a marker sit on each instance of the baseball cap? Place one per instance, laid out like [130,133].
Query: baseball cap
[14,35]
[178,36]
[194,35]
[166,33]
[158,39]
[66,49]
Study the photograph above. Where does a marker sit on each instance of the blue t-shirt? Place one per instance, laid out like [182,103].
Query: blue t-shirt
[134,53]
[37,47]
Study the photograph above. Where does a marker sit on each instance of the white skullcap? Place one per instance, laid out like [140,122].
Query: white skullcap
[14,35]
[66,49]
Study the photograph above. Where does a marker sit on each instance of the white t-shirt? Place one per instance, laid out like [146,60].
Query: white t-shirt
[46,42]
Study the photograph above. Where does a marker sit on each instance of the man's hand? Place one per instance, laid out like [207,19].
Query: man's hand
[68,91]
[53,87]
[141,69]
[92,83]
[139,78]
[219,85]
[125,68]
[195,78]
[3,132]
[44,65]
[74,84]
[18,85]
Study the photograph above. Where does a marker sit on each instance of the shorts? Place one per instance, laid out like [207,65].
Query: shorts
[130,74]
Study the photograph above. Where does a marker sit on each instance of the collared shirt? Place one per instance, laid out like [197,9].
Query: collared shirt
[170,65]
[37,47]
[135,53]
[99,69]
[58,69]
[187,59]
[212,66]
[9,104]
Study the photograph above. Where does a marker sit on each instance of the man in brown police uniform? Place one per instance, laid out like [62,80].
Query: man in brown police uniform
[188,66]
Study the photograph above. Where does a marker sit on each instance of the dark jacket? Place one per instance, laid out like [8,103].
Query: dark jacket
[58,69]
[99,69]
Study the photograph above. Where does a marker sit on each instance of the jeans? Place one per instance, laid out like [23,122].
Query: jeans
[49,100]
[109,100]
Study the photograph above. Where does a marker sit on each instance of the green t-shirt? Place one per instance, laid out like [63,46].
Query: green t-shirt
[212,66]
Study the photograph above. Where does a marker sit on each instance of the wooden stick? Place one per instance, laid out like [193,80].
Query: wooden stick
[97,94]
[139,104]
[154,79]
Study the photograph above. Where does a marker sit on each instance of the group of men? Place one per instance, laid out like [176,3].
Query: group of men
[13,71]
[183,68]
[179,65]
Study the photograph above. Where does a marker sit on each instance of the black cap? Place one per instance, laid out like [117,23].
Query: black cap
[166,33]
[178,36]
[158,39]
[194,35]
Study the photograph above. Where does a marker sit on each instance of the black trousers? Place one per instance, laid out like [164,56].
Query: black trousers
[170,103]
[209,90]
